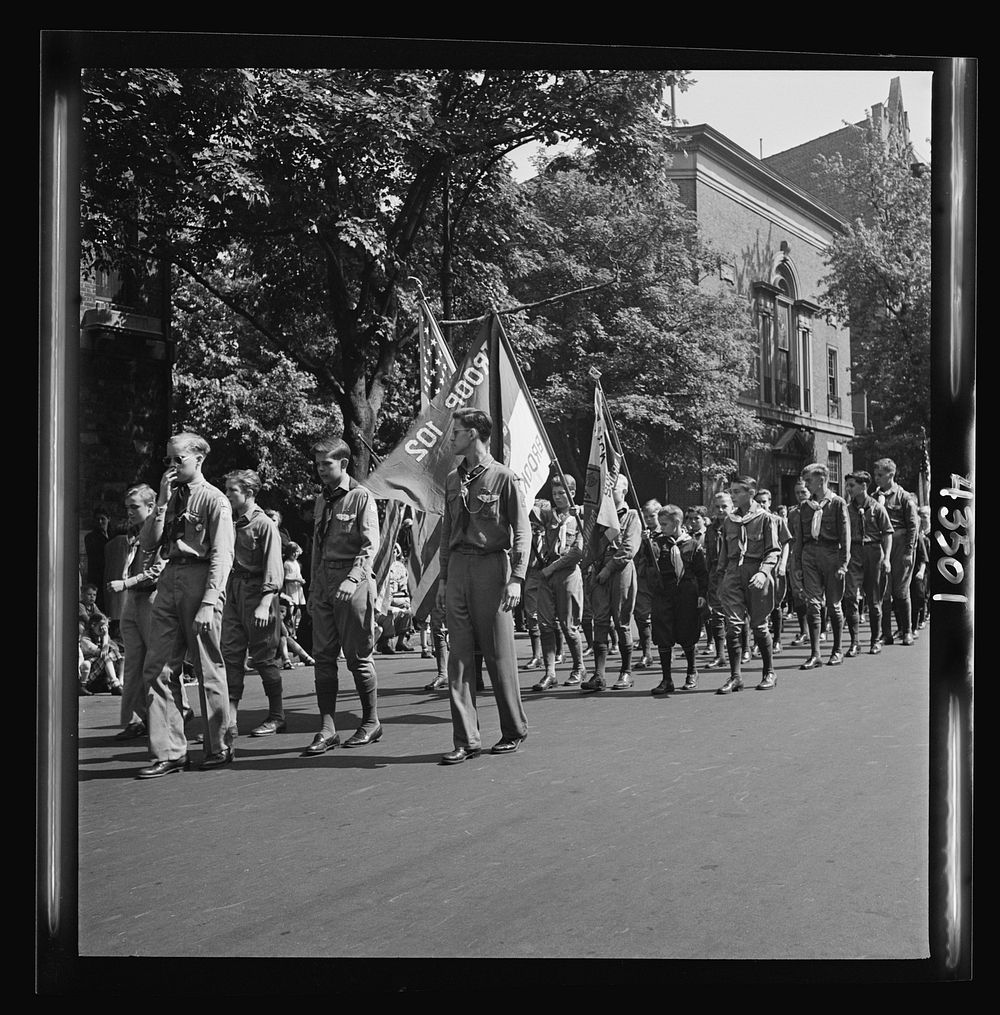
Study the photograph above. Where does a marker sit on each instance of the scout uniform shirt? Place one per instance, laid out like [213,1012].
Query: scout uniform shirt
[834,529]
[902,510]
[257,553]
[195,524]
[679,559]
[485,512]
[713,544]
[869,522]
[562,543]
[615,554]
[142,567]
[346,529]
[751,536]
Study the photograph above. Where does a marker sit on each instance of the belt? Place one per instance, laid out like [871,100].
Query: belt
[188,560]
[823,542]
[475,550]
[239,572]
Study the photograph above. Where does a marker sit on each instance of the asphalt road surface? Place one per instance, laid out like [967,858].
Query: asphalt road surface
[788,824]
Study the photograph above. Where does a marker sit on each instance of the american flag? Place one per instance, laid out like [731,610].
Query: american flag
[437,365]
[924,479]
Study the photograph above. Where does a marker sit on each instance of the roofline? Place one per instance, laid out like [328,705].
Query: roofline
[705,136]
[847,126]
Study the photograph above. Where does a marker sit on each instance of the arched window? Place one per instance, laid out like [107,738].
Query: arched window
[786,352]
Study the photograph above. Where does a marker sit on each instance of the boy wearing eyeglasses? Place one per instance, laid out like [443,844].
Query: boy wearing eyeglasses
[192,525]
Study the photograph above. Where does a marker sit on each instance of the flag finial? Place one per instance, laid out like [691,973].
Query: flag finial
[595,373]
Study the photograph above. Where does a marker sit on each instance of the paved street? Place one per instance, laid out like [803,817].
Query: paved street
[782,824]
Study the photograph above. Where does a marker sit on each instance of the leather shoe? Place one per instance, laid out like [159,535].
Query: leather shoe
[224,757]
[594,684]
[799,639]
[460,754]
[623,683]
[875,649]
[718,663]
[835,659]
[321,745]
[691,682]
[732,684]
[437,684]
[534,663]
[131,731]
[745,658]
[776,648]
[852,650]
[365,737]
[159,768]
[549,680]
[574,679]
[908,638]
[767,682]
[269,727]
[506,746]
[663,688]
[812,663]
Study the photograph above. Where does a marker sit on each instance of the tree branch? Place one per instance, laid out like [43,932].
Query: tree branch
[537,303]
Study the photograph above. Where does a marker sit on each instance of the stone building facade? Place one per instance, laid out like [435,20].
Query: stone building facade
[771,234]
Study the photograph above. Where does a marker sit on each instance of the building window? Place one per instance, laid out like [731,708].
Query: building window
[806,362]
[832,385]
[767,355]
[834,465]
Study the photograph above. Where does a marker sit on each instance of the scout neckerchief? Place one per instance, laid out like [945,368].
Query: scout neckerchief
[882,494]
[329,496]
[176,510]
[817,518]
[559,521]
[675,553]
[866,505]
[741,520]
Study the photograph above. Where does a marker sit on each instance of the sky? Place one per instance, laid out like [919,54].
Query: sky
[782,109]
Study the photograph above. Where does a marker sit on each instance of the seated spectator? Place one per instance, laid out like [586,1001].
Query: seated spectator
[288,644]
[396,621]
[99,653]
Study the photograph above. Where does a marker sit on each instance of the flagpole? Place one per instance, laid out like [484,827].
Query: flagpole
[531,405]
[596,375]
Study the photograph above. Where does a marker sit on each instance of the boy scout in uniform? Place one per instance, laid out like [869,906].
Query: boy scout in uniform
[902,509]
[794,580]
[763,498]
[532,581]
[560,594]
[142,571]
[192,526]
[614,588]
[251,618]
[822,551]
[748,556]
[680,586]
[342,595]
[722,505]
[485,517]
[868,568]
[645,566]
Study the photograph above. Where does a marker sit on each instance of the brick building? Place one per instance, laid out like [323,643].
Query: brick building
[886,121]
[771,235]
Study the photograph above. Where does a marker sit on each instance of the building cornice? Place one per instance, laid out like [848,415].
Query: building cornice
[703,138]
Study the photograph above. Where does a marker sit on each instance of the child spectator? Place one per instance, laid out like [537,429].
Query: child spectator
[98,651]
[293,590]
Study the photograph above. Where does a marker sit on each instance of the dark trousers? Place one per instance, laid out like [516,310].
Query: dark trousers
[349,626]
[865,577]
[240,634]
[476,620]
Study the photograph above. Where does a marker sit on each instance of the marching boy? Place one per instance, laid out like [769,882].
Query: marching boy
[251,618]
[679,587]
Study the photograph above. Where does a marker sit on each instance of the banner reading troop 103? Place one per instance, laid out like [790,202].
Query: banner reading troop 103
[416,470]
